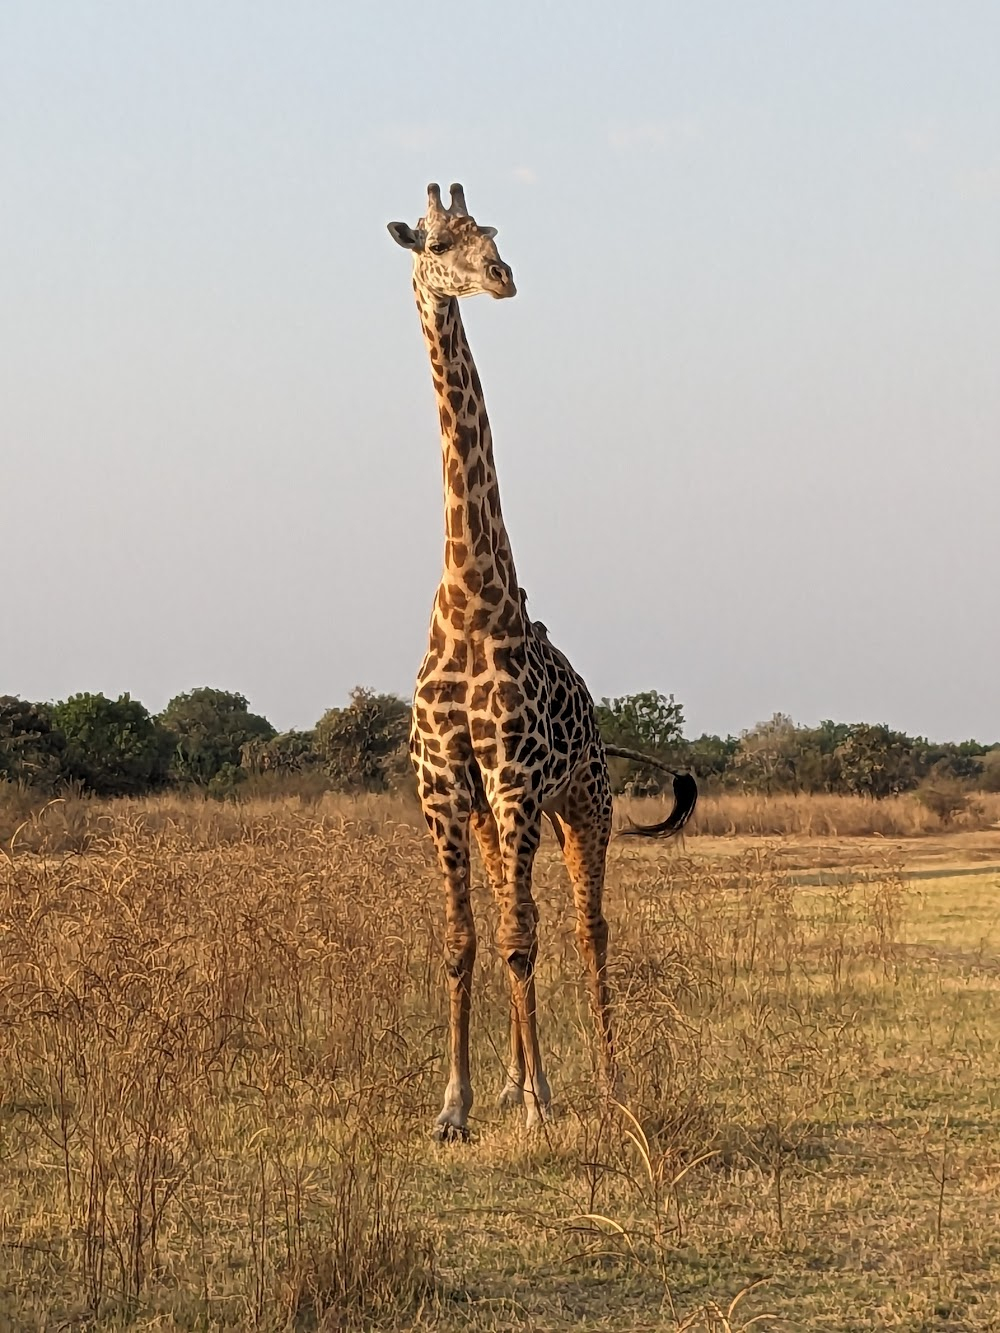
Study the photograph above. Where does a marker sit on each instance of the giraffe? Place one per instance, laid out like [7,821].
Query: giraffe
[503,730]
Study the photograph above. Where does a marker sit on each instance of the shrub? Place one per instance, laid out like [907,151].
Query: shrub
[990,779]
[363,746]
[946,797]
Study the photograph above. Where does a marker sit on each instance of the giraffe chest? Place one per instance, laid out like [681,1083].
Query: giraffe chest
[510,711]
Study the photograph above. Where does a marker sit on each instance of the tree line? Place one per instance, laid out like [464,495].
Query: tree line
[206,739]
[209,740]
[781,756]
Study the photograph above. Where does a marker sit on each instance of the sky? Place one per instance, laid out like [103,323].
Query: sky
[745,405]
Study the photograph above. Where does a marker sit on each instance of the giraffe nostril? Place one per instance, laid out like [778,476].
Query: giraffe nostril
[499,273]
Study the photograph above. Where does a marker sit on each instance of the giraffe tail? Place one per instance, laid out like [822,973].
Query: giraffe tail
[685,796]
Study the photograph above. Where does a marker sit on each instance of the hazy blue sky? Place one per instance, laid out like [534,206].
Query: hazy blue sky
[746,404]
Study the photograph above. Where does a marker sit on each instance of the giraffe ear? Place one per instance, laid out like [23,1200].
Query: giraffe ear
[404,235]
[488,232]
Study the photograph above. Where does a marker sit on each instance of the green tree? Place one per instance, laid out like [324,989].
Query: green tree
[711,757]
[766,757]
[646,721]
[813,756]
[31,745]
[363,746]
[877,761]
[649,721]
[291,752]
[779,755]
[288,752]
[112,746]
[209,730]
[962,762]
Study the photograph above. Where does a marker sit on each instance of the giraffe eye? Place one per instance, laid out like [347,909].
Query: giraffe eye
[439,247]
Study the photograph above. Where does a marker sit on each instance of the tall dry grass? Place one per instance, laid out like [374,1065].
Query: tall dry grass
[829,816]
[221,1041]
[205,1065]
[74,822]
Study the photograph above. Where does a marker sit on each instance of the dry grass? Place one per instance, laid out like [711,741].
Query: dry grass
[832,816]
[71,823]
[221,1039]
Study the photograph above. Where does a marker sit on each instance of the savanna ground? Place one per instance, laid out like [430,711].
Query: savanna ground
[222,1032]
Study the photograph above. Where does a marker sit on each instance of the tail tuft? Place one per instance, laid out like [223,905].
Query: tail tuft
[685,800]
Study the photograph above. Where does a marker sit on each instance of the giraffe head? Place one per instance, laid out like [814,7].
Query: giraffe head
[452,254]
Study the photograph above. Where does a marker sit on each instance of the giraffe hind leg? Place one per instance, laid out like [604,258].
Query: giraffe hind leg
[582,825]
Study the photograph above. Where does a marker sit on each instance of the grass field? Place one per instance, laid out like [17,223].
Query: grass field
[221,1049]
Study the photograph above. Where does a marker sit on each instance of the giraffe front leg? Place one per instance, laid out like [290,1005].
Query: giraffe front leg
[517,938]
[451,837]
[485,828]
[511,1095]
[526,1082]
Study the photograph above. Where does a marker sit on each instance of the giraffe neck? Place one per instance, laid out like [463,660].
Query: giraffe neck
[479,590]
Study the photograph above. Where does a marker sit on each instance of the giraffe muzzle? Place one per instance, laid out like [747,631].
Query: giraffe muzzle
[502,280]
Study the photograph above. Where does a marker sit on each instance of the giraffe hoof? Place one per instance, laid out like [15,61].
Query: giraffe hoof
[537,1115]
[445,1132]
[511,1097]
[537,1099]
